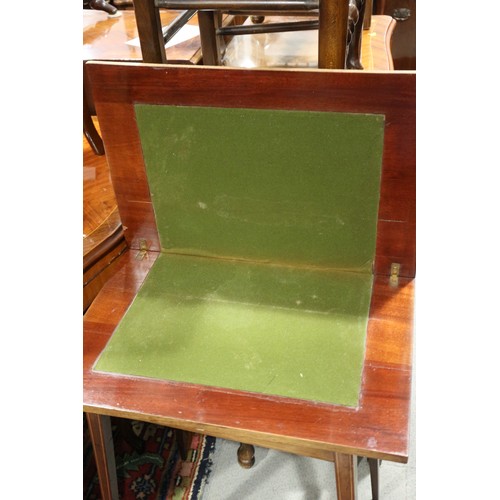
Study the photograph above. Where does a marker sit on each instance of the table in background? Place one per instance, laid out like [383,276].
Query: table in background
[106,38]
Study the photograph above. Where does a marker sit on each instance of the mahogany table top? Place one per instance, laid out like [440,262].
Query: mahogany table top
[377,428]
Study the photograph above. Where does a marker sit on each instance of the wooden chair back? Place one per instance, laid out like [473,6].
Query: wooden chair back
[340,25]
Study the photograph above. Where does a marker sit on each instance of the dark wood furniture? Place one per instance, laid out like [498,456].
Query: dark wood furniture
[108,38]
[378,428]
[89,129]
[404,12]
[103,5]
[102,250]
[340,24]
[299,50]
[103,240]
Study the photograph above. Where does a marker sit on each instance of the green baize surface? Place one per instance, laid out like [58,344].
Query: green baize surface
[267,221]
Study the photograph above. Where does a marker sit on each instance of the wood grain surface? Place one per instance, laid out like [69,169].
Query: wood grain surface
[379,428]
[117,87]
[103,240]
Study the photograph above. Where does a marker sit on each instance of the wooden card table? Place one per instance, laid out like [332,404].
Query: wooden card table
[267,293]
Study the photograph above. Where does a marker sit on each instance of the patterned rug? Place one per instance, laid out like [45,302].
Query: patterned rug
[151,468]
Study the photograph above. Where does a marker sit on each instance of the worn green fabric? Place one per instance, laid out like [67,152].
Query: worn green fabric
[279,186]
[255,327]
[267,221]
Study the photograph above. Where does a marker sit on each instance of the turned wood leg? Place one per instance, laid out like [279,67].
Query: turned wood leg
[209,22]
[246,455]
[346,476]
[373,464]
[183,439]
[356,29]
[102,443]
[332,46]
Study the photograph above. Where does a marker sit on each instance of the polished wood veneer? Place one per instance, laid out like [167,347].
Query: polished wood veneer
[378,428]
[257,89]
[103,240]
[99,202]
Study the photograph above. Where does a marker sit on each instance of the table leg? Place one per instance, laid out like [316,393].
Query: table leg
[102,443]
[373,464]
[246,455]
[346,476]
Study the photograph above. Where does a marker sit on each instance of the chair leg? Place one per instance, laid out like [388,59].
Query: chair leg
[209,22]
[149,27]
[332,47]
[354,48]
[246,455]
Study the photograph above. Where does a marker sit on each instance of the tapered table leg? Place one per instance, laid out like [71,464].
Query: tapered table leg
[346,476]
[102,443]
[373,464]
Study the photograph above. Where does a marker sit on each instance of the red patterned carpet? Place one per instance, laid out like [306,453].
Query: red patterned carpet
[152,468]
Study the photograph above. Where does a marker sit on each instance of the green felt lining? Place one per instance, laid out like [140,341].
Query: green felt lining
[298,187]
[255,327]
[267,221]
